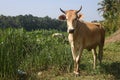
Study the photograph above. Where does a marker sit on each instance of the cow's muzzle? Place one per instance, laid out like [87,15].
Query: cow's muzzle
[71,30]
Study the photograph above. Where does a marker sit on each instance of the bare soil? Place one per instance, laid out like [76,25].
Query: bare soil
[115,37]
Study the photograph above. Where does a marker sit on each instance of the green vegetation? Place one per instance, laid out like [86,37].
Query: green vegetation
[29,22]
[31,51]
[43,57]
[111,13]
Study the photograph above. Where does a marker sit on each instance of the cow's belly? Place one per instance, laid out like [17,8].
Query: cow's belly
[89,47]
[85,42]
[91,44]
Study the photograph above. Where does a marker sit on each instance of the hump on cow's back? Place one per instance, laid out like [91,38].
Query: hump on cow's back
[97,24]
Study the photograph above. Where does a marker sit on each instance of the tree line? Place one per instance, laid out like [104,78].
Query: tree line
[30,22]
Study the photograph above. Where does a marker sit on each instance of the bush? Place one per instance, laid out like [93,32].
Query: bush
[11,51]
[32,51]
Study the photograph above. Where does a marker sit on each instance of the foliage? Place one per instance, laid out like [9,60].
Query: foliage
[31,51]
[29,22]
[11,52]
[110,10]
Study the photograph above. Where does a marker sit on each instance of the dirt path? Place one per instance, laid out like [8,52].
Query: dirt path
[114,37]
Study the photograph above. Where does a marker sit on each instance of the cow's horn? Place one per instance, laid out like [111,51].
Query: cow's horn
[62,11]
[79,10]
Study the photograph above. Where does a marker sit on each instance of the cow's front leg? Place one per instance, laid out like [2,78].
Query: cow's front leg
[77,60]
[73,54]
[95,58]
[73,51]
[70,38]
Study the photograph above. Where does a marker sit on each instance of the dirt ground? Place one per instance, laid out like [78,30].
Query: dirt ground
[114,37]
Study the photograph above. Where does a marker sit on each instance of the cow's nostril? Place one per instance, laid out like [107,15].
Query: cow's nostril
[71,31]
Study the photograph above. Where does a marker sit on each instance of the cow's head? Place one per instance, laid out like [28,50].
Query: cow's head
[71,16]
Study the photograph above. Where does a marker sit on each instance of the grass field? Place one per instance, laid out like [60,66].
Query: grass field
[109,70]
[43,57]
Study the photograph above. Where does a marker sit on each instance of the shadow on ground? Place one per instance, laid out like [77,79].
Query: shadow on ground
[112,68]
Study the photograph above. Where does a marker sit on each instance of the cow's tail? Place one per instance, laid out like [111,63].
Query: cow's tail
[101,45]
[102,35]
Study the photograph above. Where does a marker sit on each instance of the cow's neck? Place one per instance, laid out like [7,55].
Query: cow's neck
[75,35]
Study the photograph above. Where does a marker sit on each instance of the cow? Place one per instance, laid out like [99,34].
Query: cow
[83,35]
[61,37]
[58,35]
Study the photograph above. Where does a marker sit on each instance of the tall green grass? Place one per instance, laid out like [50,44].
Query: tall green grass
[31,52]
[11,51]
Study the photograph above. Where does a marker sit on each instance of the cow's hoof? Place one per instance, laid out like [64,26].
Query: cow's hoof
[76,74]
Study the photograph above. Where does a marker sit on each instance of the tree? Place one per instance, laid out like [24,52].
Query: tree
[109,8]
[30,22]
[111,12]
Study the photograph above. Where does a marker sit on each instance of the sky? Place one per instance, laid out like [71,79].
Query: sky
[42,8]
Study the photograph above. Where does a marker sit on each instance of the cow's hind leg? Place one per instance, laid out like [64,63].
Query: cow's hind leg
[95,57]
[100,54]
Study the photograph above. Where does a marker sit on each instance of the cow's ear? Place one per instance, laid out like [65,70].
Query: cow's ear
[62,17]
[80,16]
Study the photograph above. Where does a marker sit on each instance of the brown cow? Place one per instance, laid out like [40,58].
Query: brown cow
[83,35]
